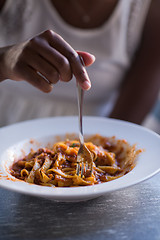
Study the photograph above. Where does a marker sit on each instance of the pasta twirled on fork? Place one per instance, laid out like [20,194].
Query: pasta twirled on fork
[56,166]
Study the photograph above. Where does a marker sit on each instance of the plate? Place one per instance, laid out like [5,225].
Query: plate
[17,139]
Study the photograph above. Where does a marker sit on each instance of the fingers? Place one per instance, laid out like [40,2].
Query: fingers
[35,79]
[58,43]
[40,65]
[52,56]
[88,58]
[46,59]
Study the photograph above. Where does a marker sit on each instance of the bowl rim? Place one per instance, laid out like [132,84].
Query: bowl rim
[74,192]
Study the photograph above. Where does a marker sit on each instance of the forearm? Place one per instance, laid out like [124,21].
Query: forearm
[142,82]
[139,92]
[2,2]
[2,71]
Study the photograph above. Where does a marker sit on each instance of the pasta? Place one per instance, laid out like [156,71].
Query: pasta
[56,166]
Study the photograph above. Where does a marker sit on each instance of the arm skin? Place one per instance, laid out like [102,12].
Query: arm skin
[2,2]
[142,82]
[44,60]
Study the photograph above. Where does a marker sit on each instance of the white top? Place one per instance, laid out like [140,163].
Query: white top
[113,44]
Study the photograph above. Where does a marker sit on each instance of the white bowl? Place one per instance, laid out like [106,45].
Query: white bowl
[15,142]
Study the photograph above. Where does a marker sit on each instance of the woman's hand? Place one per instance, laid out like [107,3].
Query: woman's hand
[43,61]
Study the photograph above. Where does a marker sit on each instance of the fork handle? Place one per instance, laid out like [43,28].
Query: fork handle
[80,108]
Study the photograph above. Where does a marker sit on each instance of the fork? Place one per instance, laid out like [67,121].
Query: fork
[84,156]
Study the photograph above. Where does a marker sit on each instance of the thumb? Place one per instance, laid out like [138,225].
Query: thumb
[87,58]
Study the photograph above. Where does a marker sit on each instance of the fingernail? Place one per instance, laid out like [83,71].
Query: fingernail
[86,85]
[94,58]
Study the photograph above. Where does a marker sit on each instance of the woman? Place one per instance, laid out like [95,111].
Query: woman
[124,77]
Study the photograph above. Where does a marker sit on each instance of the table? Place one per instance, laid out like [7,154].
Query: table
[131,213]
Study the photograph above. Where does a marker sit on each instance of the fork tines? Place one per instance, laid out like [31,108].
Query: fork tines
[83,168]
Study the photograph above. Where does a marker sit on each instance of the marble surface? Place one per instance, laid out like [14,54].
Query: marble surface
[132,213]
